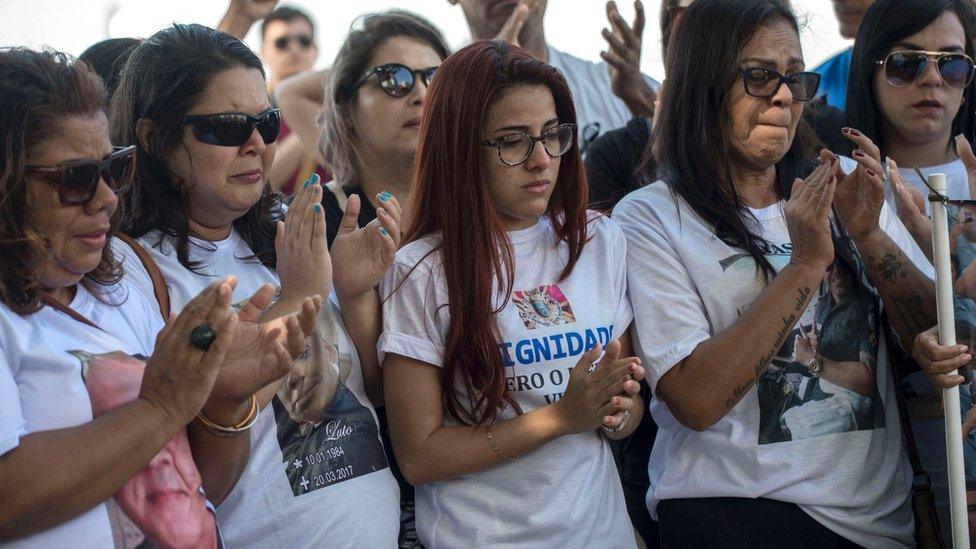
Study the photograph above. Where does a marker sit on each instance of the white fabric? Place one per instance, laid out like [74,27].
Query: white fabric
[595,102]
[356,505]
[854,482]
[42,386]
[957,180]
[566,493]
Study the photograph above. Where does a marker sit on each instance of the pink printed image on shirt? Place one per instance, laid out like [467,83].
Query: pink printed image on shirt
[543,307]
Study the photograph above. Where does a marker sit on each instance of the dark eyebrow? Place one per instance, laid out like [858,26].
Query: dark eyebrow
[910,46]
[526,129]
[772,63]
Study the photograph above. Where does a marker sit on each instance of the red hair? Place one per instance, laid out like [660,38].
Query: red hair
[449,193]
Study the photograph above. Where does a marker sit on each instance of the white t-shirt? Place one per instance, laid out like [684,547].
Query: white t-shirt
[45,358]
[596,105]
[307,484]
[834,452]
[957,180]
[566,493]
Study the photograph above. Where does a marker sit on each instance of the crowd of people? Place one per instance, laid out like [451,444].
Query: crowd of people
[497,297]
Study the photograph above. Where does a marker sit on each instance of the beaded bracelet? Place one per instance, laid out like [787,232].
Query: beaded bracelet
[224,431]
[496,449]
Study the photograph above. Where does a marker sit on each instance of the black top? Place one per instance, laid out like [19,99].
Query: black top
[333,213]
[611,161]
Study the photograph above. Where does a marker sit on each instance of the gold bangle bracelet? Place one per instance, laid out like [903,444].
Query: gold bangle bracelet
[228,431]
[496,449]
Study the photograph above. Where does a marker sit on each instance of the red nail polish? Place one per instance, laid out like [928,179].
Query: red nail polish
[858,153]
[846,130]
[855,133]
[872,174]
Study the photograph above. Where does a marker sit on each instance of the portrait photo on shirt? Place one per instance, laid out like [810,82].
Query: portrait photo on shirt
[823,380]
[325,433]
[163,504]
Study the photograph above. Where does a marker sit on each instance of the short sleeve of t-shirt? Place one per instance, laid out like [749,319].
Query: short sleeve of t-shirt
[411,303]
[12,423]
[669,316]
[624,312]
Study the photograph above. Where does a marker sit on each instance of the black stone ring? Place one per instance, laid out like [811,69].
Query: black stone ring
[202,337]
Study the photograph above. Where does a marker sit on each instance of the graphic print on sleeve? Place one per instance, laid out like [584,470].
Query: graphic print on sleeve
[803,397]
[325,433]
[163,504]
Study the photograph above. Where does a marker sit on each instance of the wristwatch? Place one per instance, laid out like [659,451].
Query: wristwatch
[816,364]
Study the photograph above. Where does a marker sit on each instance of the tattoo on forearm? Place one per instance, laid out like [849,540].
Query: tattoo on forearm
[910,308]
[788,322]
[906,304]
[890,267]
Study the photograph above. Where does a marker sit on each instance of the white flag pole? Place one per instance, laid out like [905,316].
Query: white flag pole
[947,336]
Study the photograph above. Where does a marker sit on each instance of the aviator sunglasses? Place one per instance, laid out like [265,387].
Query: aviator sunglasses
[233,129]
[397,79]
[902,68]
[77,180]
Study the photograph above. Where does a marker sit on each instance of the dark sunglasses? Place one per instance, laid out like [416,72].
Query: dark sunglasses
[764,83]
[233,129]
[904,67]
[396,79]
[78,179]
[515,148]
[304,40]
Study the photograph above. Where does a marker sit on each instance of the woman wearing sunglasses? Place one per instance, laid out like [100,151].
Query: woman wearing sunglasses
[773,394]
[911,89]
[71,437]
[495,316]
[195,105]
[371,120]
[371,123]
[911,92]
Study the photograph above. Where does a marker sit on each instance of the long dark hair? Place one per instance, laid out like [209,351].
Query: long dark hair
[691,136]
[107,59]
[164,77]
[38,90]
[886,23]
[450,195]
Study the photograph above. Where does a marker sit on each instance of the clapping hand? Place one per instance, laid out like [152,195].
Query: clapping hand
[361,256]
[304,266]
[513,26]
[860,194]
[808,216]
[262,353]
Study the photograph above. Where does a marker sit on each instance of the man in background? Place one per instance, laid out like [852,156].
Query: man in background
[833,72]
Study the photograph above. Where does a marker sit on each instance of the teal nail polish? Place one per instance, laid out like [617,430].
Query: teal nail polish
[318,208]
[384,196]
[305,186]
[315,178]
[383,231]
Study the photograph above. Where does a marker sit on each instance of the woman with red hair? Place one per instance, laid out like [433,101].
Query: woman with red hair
[496,312]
